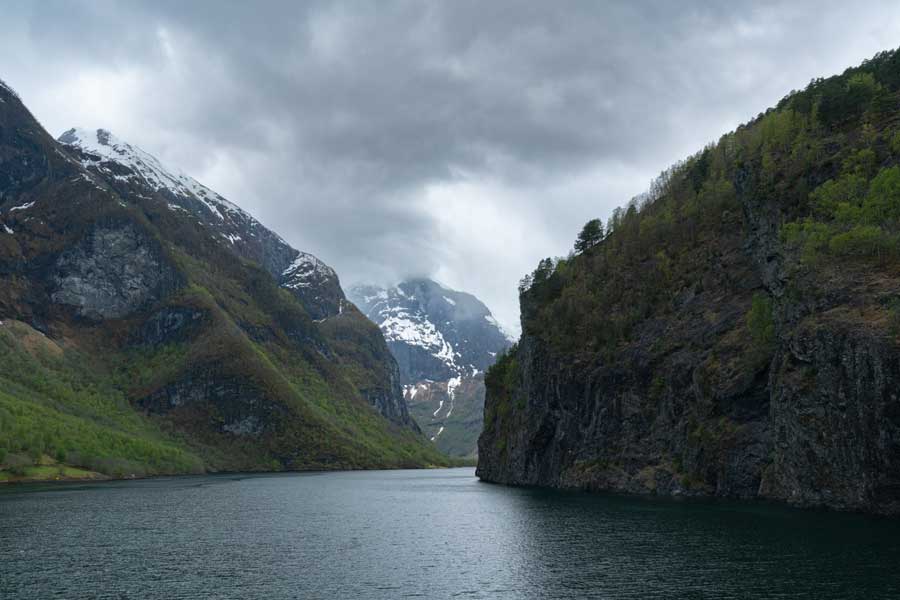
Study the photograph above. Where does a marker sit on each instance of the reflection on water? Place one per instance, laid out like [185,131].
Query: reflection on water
[429,534]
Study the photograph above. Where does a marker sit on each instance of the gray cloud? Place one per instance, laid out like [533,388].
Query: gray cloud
[461,139]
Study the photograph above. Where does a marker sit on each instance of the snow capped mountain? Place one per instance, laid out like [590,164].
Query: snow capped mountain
[444,341]
[434,332]
[128,169]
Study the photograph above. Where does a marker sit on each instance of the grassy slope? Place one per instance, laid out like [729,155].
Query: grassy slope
[74,407]
[334,427]
[58,403]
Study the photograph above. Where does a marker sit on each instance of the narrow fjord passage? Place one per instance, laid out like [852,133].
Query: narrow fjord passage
[426,534]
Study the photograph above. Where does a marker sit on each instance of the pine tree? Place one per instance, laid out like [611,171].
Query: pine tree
[591,235]
[544,271]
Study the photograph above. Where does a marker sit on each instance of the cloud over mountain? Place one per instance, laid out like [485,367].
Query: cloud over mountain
[460,140]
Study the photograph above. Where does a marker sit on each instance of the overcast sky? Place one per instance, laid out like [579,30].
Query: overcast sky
[458,140]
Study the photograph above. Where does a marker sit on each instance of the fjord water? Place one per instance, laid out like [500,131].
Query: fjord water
[427,534]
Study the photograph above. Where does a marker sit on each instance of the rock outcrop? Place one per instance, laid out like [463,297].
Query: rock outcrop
[114,271]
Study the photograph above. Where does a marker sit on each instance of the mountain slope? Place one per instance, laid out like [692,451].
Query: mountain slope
[141,306]
[451,413]
[137,176]
[736,332]
[443,340]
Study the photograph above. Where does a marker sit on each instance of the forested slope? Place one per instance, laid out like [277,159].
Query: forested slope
[735,331]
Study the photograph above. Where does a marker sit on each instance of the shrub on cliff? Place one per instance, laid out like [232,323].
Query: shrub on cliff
[761,324]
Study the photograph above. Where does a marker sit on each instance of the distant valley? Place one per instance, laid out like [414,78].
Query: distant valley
[444,341]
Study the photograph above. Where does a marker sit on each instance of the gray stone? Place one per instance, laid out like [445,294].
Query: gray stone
[116,270]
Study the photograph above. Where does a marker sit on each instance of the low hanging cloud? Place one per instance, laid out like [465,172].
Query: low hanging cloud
[460,140]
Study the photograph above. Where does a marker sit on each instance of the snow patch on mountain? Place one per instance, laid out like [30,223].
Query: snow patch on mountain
[306,270]
[399,326]
[22,207]
[101,146]
[117,161]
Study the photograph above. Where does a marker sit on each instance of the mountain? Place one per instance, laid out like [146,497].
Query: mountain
[151,326]
[443,340]
[736,332]
[435,332]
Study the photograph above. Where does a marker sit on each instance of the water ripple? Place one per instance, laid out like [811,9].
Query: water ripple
[423,534]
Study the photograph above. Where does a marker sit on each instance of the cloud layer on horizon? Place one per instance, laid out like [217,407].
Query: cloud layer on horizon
[461,140]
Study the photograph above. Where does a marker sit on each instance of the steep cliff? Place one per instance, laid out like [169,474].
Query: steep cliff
[736,331]
[148,325]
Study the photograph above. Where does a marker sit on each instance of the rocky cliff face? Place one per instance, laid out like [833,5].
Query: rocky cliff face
[834,408]
[686,396]
[701,350]
[443,340]
[114,271]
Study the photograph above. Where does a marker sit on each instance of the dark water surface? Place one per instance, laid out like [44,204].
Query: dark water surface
[426,534]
